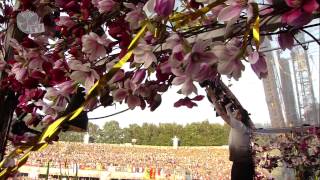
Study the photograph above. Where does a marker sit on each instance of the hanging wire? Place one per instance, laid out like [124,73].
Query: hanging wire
[96,118]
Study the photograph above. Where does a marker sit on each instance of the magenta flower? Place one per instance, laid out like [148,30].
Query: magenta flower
[164,7]
[139,76]
[286,40]
[301,12]
[214,13]
[31,94]
[94,45]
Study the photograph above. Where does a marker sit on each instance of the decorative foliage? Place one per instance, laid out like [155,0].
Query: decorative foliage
[86,43]
[299,151]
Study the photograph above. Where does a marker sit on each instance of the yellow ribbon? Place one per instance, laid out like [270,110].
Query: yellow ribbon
[255,21]
[256,32]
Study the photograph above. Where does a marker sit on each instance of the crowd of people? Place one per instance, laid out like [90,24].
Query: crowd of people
[196,162]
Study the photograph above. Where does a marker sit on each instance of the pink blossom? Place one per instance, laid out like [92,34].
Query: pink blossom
[258,64]
[197,57]
[196,66]
[232,11]
[85,78]
[301,12]
[164,7]
[120,94]
[36,63]
[63,89]
[104,5]
[57,76]
[127,93]
[94,45]
[173,40]
[83,73]
[177,56]
[135,16]
[229,62]
[65,21]
[187,83]
[143,54]
[19,71]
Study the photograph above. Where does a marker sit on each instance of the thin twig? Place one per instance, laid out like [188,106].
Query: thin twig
[312,36]
[284,31]
[96,118]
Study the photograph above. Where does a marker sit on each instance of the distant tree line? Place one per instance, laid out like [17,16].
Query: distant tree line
[194,134]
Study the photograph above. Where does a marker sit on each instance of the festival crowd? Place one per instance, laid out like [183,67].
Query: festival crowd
[195,162]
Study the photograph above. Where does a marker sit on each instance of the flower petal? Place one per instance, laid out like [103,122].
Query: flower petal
[178,80]
[227,13]
[310,6]
[120,94]
[133,101]
[188,87]
[296,18]
[253,57]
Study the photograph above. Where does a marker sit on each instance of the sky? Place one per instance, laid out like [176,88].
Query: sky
[249,91]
